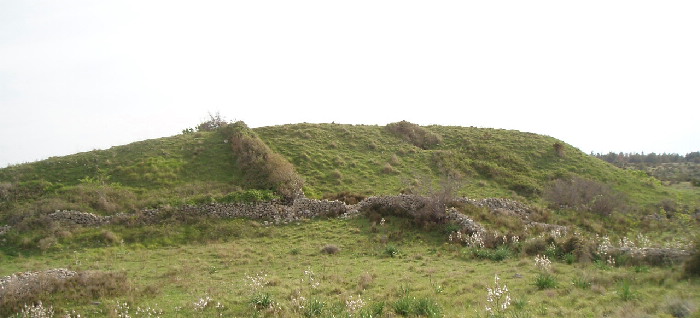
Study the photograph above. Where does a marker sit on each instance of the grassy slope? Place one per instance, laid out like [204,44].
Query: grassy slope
[493,162]
[355,158]
[151,163]
[425,267]
[185,262]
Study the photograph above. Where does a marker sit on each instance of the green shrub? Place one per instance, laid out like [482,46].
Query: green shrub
[391,251]
[581,282]
[535,246]
[691,267]
[545,281]
[498,254]
[625,292]
[262,301]
[404,306]
[314,308]
[428,308]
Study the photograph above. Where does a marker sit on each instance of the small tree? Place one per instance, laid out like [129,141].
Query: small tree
[215,122]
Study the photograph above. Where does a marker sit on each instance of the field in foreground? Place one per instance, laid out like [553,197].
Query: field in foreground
[350,267]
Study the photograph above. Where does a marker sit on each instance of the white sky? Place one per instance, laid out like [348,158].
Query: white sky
[601,75]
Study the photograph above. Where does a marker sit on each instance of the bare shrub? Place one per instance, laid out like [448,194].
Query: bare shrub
[330,249]
[437,199]
[583,195]
[415,134]
[214,122]
[43,286]
[110,237]
[680,307]
[388,169]
[558,149]
[365,281]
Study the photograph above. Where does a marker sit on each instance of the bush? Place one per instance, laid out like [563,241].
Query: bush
[498,254]
[428,308]
[404,306]
[262,167]
[314,308]
[391,251]
[691,267]
[81,288]
[535,246]
[583,195]
[545,281]
[330,249]
[680,308]
[262,301]
[410,306]
[414,134]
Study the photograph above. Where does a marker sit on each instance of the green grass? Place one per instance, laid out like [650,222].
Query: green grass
[334,158]
[176,263]
[178,275]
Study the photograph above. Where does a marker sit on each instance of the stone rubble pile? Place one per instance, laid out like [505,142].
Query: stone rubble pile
[80,218]
[4,229]
[32,282]
[654,256]
[467,224]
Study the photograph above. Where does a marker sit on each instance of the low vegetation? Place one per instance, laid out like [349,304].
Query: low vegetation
[576,236]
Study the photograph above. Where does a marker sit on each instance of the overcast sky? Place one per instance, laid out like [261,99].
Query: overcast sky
[601,75]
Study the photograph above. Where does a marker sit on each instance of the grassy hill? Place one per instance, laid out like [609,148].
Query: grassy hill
[332,158]
[198,266]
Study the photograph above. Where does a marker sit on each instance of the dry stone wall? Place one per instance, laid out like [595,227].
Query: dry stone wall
[300,209]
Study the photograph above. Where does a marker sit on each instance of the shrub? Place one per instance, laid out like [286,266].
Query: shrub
[414,134]
[680,308]
[625,292]
[558,149]
[691,267]
[330,249]
[80,288]
[428,308]
[365,281]
[498,254]
[545,281]
[581,282]
[262,301]
[535,246]
[262,167]
[391,251]
[583,195]
[314,308]
[404,306]
[213,123]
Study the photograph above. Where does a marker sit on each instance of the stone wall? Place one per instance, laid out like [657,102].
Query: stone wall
[300,209]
